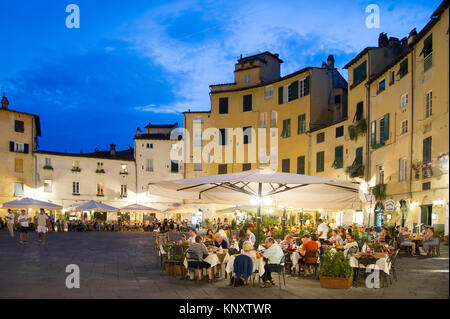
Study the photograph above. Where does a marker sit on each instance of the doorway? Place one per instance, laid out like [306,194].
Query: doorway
[426,215]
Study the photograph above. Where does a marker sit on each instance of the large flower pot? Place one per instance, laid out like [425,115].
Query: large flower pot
[335,282]
[180,270]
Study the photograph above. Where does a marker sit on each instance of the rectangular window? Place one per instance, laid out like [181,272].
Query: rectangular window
[76,188]
[303,87]
[19,147]
[320,137]
[273,119]
[123,191]
[360,73]
[198,166]
[268,92]
[246,167]
[301,124]
[381,86]
[381,132]
[223,105]
[198,138]
[337,99]
[149,165]
[18,189]
[428,104]
[404,126]
[173,166]
[392,78]
[380,174]
[247,78]
[223,168]
[19,126]
[339,131]
[427,53]
[247,134]
[286,165]
[359,111]
[247,103]
[426,186]
[223,136]
[404,100]
[48,185]
[320,160]
[149,145]
[402,169]
[100,189]
[18,165]
[427,150]
[75,164]
[403,68]
[338,157]
[293,91]
[262,119]
[48,162]
[286,128]
[301,165]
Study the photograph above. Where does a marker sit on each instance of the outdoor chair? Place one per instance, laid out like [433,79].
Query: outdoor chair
[399,246]
[288,263]
[162,256]
[239,258]
[281,271]
[365,261]
[312,254]
[435,249]
[193,266]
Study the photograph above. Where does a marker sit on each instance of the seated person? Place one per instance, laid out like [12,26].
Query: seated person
[250,235]
[382,235]
[310,247]
[220,243]
[274,254]
[249,250]
[403,237]
[335,238]
[195,254]
[192,235]
[397,231]
[288,241]
[209,235]
[429,239]
[349,249]
[242,238]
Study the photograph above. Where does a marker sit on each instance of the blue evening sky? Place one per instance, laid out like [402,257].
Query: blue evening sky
[133,62]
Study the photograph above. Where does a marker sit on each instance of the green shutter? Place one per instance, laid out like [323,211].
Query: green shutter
[386,127]
[373,133]
[338,156]
[293,91]
[359,156]
[307,85]
[280,95]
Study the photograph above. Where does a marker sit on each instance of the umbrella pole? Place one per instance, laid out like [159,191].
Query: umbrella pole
[258,215]
[283,223]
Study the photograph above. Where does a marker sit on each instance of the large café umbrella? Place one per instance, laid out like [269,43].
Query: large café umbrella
[258,184]
[139,208]
[95,206]
[30,203]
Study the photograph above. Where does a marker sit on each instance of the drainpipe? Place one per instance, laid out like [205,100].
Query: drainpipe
[412,123]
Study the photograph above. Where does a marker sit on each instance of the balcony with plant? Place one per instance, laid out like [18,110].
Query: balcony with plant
[355,170]
[379,191]
[357,129]
[48,167]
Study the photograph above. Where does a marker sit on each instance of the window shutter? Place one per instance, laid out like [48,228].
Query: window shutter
[359,156]
[11,146]
[307,85]
[280,95]
[25,148]
[373,133]
[338,156]
[293,91]
[386,127]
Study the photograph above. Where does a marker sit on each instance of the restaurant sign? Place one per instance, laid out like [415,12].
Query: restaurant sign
[389,205]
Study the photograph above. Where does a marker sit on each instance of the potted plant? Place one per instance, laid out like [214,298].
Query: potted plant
[335,271]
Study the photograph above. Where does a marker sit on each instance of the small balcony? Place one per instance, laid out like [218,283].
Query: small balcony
[379,191]
[355,170]
[48,167]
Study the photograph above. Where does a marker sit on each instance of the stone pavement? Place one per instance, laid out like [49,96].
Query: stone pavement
[123,265]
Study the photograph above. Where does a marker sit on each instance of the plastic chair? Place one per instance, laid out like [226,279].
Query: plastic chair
[281,271]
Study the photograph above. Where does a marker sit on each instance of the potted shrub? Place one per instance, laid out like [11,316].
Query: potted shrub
[335,271]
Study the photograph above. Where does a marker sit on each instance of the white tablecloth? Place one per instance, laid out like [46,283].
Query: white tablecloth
[381,263]
[212,259]
[258,265]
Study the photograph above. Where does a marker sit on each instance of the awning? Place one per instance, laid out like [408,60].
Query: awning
[30,203]
[139,208]
[95,206]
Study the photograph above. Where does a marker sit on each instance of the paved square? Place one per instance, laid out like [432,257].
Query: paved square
[123,265]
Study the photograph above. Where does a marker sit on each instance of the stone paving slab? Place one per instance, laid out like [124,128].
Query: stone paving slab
[124,265]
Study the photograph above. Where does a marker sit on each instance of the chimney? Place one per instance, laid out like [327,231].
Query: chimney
[112,149]
[412,36]
[324,65]
[330,61]
[5,103]
[383,40]
[138,131]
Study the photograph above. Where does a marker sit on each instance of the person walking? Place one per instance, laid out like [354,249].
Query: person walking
[42,224]
[10,222]
[23,223]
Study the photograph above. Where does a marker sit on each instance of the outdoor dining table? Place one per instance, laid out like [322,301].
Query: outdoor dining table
[258,265]
[382,261]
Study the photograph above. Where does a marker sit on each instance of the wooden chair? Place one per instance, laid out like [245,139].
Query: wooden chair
[281,271]
[435,249]
[312,254]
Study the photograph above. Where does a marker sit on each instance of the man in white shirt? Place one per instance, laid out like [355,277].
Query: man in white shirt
[274,254]
[43,223]
[10,222]
[322,231]
[192,234]
[23,223]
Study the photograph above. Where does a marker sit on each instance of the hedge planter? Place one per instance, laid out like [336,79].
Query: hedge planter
[335,282]
[180,270]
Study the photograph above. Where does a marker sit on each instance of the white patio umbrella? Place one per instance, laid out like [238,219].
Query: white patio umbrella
[139,208]
[258,185]
[30,203]
[95,206]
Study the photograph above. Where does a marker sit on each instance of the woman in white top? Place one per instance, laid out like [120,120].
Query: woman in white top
[10,222]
